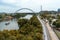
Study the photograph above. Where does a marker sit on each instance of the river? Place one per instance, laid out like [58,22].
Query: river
[13,25]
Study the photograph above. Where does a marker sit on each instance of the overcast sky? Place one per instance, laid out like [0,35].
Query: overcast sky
[13,5]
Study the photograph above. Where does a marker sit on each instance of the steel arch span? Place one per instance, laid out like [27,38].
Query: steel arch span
[26,9]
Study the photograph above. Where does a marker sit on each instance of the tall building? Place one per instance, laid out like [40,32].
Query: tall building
[58,10]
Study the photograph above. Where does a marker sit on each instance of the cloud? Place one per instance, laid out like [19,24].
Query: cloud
[32,4]
[8,9]
[9,1]
[22,2]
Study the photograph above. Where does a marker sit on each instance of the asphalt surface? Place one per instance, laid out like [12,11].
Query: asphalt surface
[52,33]
[46,35]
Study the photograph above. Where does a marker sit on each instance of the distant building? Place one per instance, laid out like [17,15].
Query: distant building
[58,10]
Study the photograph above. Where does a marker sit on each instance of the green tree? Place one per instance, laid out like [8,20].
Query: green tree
[57,23]
[21,22]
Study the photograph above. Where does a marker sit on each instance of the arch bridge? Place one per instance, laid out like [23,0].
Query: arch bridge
[26,9]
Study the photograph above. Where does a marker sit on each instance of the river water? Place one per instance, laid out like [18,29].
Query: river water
[13,25]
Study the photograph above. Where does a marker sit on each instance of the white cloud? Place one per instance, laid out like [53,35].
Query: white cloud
[9,1]
[23,3]
[34,4]
[7,9]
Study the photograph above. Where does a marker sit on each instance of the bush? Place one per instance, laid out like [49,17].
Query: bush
[57,23]
[21,22]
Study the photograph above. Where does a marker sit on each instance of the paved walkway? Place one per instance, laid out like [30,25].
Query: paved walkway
[46,35]
[52,33]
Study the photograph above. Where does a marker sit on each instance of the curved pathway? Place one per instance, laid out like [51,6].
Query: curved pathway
[46,35]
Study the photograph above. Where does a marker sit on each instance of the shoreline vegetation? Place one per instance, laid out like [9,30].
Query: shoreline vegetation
[28,30]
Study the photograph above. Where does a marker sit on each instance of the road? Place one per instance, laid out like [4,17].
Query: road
[46,35]
[49,34]
[52,33]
